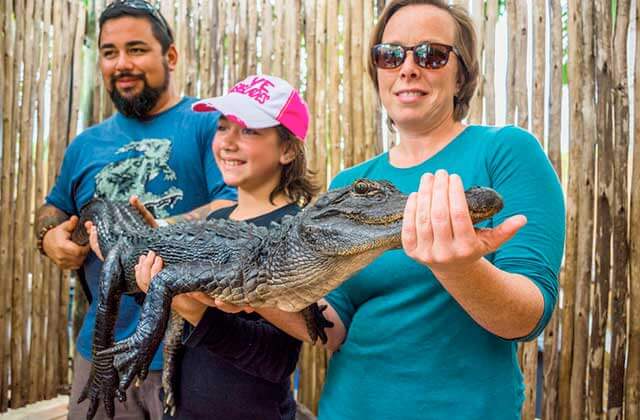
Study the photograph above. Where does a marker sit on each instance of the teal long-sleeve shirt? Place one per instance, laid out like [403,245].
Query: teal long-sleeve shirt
[411,351]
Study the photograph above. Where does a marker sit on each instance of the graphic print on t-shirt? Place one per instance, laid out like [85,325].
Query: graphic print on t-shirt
[120,180]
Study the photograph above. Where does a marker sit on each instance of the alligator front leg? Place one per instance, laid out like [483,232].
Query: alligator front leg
[316,322]
[172,345]
[103,378]
[133,355]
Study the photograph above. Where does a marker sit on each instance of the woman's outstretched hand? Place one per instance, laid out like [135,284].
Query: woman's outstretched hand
[437,230]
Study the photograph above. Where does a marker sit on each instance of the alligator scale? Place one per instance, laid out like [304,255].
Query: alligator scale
[288,265]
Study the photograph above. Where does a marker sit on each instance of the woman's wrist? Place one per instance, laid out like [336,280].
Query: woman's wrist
[454,272]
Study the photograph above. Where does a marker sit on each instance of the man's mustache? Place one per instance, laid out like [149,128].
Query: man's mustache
[118,76]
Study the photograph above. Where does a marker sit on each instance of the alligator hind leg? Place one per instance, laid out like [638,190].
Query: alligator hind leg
[316,322]
[133,355]
[103,378]
[172,346]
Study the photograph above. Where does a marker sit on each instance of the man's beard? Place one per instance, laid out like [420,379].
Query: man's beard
[141,104]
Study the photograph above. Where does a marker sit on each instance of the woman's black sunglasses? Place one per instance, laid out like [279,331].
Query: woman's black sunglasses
[429,55]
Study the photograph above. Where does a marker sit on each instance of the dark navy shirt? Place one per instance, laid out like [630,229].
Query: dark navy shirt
[167,161]
[237,366]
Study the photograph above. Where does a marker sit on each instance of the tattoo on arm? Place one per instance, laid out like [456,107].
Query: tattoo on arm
[200,213]
[49,215]
[197,214]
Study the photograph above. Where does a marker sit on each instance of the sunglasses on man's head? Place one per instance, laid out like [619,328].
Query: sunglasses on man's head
[428,55]
[143,6]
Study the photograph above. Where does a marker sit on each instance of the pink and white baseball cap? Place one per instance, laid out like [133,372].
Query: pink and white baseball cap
[261,102]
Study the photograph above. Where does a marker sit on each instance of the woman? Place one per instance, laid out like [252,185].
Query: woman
[430,331]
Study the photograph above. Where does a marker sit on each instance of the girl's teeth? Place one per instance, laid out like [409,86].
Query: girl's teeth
[410,94]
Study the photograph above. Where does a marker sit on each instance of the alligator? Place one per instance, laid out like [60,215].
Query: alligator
[289,265]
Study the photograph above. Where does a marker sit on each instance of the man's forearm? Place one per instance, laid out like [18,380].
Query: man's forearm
[48,216]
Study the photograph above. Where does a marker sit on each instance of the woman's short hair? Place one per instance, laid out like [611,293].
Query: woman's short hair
[465,42]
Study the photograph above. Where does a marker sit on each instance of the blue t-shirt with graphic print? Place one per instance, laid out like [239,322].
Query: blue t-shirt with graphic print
[166,161]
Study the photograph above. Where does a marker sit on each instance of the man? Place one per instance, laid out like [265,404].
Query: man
[155,147]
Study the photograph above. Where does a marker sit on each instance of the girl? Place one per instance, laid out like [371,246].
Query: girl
[237,366]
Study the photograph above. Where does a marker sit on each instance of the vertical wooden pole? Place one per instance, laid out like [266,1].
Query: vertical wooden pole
[232,63]
[18,280]
[604,133]
[267,36]
[620,290]
[489,62]
[369,96]
[242,40]
[252,53]
[334,85]
[357,69]
[583,109]
[277,67]
[310,90]
[36,359]
[346,105]
[522,93]
[321,92]
[477,102]
[632,378]
[565,404]
[512,22]
[221,48]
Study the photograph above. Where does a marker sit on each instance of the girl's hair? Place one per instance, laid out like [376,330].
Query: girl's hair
[296,180]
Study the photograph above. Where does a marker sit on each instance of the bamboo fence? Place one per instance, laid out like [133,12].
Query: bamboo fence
[591,350]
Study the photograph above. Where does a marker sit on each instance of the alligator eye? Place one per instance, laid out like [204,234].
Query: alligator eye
[361,187]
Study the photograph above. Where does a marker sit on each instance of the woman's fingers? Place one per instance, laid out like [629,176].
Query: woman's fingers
[424,205]
[492,239]
[440,214]
[461,224]
[409,240]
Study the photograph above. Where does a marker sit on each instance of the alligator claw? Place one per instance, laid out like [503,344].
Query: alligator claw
[170,403]
[120,395]
[101,385]
[132,358]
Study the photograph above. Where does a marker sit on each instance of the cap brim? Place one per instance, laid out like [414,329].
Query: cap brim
[238,107]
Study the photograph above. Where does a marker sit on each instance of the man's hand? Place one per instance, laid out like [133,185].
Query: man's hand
[59,247]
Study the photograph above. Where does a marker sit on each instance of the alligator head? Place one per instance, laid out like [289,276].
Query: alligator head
[365,216]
